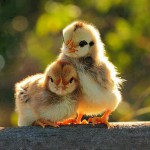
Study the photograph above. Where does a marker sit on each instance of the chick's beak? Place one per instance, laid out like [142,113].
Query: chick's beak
[61,88]
[71,46]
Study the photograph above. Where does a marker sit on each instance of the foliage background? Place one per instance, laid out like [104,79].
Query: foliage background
[31,37]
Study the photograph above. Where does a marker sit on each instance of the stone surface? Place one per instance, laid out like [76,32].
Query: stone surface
[120,136]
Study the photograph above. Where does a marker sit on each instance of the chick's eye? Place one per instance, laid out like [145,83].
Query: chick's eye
[82,43]
[51,79]
[71,80]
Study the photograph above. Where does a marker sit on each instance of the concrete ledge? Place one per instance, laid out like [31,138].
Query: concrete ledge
[120,136]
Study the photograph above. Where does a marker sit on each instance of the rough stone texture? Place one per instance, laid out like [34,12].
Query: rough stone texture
[120,136]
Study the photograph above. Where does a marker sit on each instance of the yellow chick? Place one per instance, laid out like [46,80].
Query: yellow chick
[99,82]
[48,98]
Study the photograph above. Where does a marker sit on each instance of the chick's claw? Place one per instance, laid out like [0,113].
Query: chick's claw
[84,122]
[68,122]
[43,123]
[38,123]
[72,121]
[99,120]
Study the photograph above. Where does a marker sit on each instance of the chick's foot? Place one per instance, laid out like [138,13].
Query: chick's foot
[101,120]
[72,121]
[43,123]
[67,122]
[84,122]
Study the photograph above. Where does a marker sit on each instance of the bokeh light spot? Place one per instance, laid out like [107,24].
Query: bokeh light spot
[14,119]
[113,40]
[55,17]
[124,108]
[20,23]
[123,29]
[124,59]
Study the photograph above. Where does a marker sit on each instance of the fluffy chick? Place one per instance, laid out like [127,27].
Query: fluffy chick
[99,82]
[48,98]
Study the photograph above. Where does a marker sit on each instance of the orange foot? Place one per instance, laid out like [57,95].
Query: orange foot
[84,122]
[67,122]
[101,120]
[73,121]
[43,123]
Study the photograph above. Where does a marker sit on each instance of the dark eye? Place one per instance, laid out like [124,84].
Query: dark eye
[82,43]
[71,80]
[91,43]
[51,79]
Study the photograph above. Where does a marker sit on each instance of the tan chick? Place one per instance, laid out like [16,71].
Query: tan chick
[99,82]
[48,98]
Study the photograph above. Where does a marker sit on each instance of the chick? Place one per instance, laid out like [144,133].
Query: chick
[48,98]
[98,77]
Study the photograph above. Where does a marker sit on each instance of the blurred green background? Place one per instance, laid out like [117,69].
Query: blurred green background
[31,37]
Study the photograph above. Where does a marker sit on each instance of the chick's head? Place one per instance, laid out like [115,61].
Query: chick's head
[61,78]
[80,39]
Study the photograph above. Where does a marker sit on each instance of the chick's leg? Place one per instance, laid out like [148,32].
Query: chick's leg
[44,122]
[79,117]
[78,120]
[103,119]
